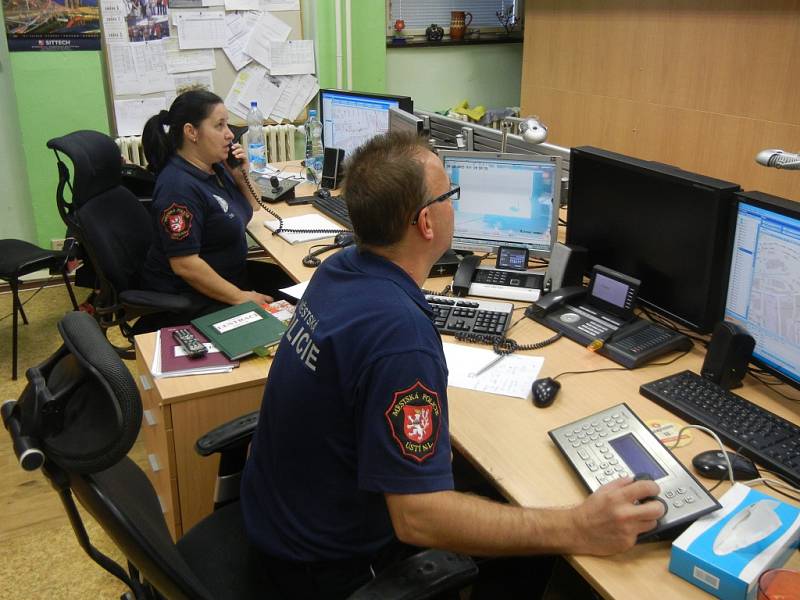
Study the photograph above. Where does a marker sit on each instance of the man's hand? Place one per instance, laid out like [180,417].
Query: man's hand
[609,520]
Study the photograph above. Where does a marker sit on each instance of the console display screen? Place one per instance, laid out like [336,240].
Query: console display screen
[635,457]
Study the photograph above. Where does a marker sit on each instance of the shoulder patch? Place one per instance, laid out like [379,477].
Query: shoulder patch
[414,417]
[176,221]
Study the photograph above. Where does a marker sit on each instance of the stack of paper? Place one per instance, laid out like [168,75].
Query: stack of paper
[170,360]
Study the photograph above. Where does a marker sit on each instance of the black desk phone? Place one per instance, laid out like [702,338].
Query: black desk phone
[509,279]
[601,317]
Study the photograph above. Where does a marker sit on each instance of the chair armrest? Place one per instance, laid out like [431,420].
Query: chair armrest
[423,575]
[229,435]
[146,299]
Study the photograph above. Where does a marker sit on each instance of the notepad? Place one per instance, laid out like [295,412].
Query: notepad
[312,223]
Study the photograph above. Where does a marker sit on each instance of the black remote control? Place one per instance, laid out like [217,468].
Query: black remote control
[187,340]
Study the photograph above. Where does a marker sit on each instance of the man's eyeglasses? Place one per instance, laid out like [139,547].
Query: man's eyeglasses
[454,194]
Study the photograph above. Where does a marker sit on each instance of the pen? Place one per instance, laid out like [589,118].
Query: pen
[489,365]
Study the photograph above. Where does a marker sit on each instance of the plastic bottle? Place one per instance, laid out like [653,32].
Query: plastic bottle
[314,150]
[255,139]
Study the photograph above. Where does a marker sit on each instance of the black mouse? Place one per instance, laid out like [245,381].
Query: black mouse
[712,464]
[343,239]
[544,391]
[323,193]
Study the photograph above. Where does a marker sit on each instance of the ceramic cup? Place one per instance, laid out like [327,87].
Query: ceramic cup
[779,584]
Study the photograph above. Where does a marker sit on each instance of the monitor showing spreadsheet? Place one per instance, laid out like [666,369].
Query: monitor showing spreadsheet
[505,200]
[351,118]
[764,280]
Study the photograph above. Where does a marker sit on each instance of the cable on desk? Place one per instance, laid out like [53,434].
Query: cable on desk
[757,374]
[661,364]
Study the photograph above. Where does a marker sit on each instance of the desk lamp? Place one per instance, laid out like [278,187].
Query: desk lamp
[531,129]
[779,159]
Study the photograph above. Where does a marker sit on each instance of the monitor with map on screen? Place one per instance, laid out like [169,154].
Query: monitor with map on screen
[351,118]
[505,200]
[764,281]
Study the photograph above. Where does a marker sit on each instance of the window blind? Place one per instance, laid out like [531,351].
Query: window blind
[418,14]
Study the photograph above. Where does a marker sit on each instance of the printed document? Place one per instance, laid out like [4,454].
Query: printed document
[511,376]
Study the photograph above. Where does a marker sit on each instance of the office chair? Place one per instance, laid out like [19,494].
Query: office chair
[77,419]
[114,231]
[18,258]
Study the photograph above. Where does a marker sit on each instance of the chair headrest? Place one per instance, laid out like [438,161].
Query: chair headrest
[96,161]
[82,403]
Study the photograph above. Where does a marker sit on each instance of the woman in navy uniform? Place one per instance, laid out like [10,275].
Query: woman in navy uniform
[201,207]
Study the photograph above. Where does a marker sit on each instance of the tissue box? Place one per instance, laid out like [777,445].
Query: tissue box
[724,552]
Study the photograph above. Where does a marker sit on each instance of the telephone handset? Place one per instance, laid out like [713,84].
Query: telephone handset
[549,302]
[238,132]
[464,274]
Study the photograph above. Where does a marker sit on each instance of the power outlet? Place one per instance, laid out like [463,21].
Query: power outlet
[57,244]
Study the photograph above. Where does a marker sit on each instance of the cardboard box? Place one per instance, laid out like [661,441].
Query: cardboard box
[724,552]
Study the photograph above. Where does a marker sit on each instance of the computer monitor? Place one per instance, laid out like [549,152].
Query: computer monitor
[400,120]
[764,281]
[505,200]
[667,227]
[351,118]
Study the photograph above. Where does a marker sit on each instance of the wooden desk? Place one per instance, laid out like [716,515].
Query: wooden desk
[178,410]
[506,438]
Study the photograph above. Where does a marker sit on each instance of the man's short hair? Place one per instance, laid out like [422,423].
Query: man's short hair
[384,185]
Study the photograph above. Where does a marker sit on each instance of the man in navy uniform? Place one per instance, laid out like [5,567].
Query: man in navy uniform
[351,462]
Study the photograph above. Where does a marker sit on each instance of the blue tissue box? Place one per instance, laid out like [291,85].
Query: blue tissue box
[724,552]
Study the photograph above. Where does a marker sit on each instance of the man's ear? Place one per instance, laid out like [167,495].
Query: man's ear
[424,224]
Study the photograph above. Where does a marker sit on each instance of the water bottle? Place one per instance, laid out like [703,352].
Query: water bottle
[255,139]
[314,150]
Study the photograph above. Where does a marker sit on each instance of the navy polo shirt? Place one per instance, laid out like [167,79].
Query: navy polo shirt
[355,406]
[196,213]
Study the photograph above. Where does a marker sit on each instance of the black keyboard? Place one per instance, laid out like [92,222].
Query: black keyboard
[749,429]
[335,208]
[455,315]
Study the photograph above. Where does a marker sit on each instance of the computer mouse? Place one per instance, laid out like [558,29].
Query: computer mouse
[544,391]
[343,239]
[712,464]
[323,193]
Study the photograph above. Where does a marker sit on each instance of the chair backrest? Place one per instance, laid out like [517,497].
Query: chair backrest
[97,165]
[116,231]
[81,408]
[106,217]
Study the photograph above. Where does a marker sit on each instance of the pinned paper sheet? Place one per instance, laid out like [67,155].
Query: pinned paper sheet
[511,376]
[132,114]
[268,29]
[293,57]
[201,29]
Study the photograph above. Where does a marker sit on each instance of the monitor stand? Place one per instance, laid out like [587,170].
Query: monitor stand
[447,264]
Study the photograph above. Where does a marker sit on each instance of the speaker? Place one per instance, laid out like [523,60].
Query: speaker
[567,266]
[278,190]
[332,168]
[727,356]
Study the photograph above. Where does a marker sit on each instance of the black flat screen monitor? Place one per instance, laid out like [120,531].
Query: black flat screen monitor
[505,200]
[351,118]
[667,227]
[764,281]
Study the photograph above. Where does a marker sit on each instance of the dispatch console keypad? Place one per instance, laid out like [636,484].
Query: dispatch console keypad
[603,462]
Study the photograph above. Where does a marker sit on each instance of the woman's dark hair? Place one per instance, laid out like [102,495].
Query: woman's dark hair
[190,107]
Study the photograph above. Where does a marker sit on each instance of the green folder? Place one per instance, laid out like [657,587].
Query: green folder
[241,330]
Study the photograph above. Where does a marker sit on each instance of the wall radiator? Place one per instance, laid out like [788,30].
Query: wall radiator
[279,140]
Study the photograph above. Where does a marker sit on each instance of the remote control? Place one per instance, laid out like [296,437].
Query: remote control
[187,340]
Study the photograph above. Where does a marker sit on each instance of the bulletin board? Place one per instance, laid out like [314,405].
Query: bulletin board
[154,49]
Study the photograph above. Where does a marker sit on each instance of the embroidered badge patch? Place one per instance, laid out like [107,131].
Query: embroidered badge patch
[177,221]
[414,418]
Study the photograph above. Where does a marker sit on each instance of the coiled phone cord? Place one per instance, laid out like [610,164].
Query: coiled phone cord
[280,227]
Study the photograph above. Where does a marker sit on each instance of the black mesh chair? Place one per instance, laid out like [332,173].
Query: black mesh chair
[77,419]
[18,258]
[113,229]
